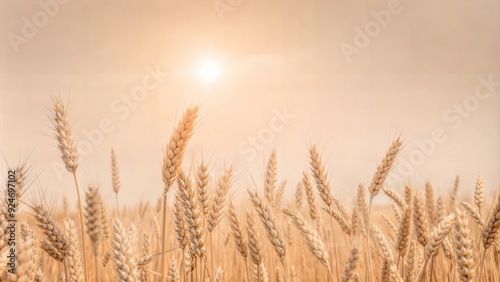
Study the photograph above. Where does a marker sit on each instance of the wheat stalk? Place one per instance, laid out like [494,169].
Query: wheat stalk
[172,160]
[70,158]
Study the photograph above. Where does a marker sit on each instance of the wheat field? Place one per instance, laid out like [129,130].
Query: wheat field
[197,231]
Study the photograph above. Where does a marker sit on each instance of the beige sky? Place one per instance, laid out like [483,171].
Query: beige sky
[414,75]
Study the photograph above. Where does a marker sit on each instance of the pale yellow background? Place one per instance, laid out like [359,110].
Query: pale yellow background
[273,54]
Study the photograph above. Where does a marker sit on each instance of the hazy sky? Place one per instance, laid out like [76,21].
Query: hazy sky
[344,75]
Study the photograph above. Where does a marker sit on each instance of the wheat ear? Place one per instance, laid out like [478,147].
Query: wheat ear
[181,229]
[146,254]
[439,209]
[299,195]
[384,167]
[254,244]
[404,231]
[55,237]
[312,238]
[389,266]
[394,197]
[479,193]
[464,248]
[219,199]
[342,220]
[320,176]
[173,272]
[313,209]
[125,265]
[237,231]
[104,218]
[269,222]
[270,182]
[73,258]
[64,137]
[492,229]
[192,214]
[219,275]
[115,178]
[472,212]
[350,265]
[420,221]
[202,181]
[93,223]
[438,234]
[429,203]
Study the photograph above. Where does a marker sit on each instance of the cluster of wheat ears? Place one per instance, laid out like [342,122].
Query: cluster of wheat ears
[206,236]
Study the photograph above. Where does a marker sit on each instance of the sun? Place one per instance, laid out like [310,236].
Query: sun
[209,71]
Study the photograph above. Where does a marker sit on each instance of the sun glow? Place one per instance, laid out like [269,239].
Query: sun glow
[209,71]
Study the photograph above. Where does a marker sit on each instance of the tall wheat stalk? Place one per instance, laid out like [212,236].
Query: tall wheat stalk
[173,155]
[70,158]
[378,180]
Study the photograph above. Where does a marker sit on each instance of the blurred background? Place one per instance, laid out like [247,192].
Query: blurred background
[346,76]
